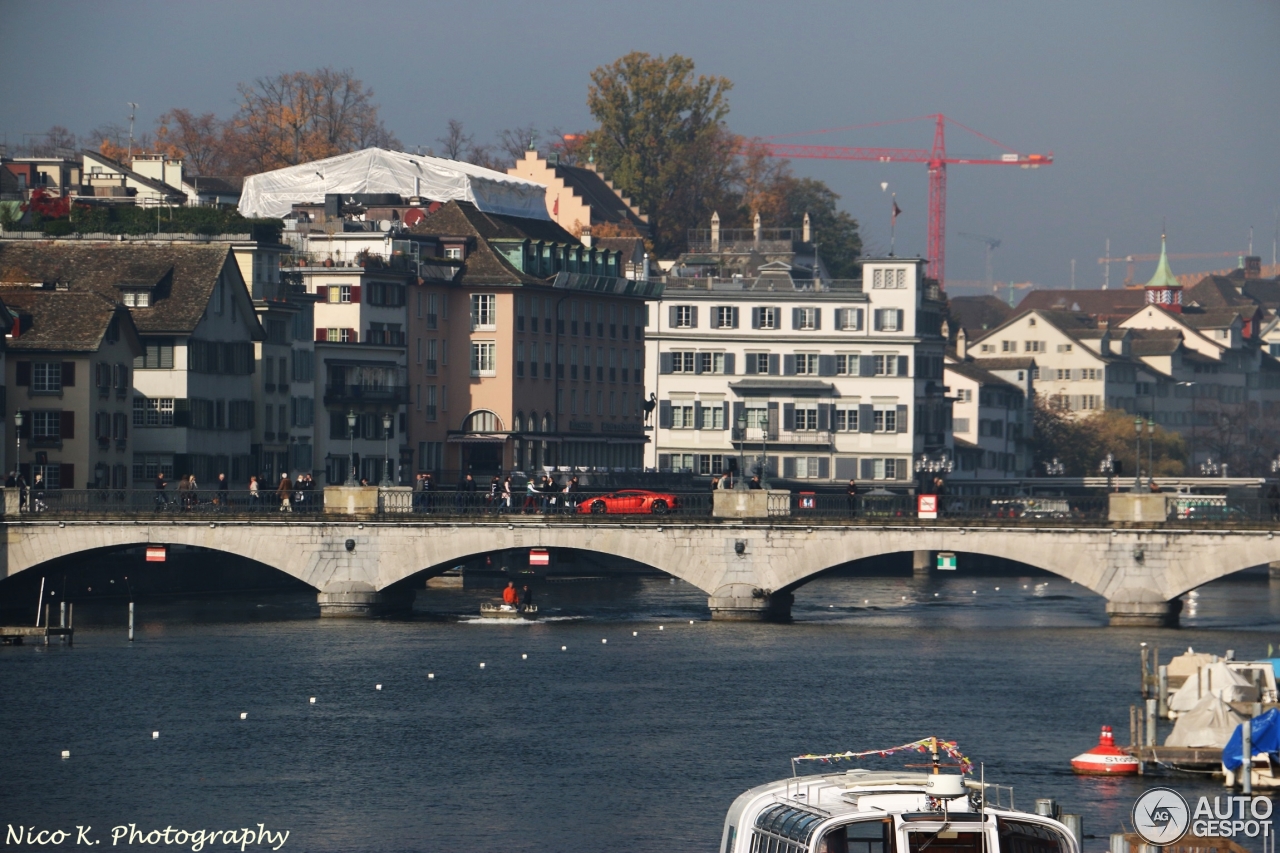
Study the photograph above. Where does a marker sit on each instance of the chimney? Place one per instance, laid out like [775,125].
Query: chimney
[332,207]
[755,227]
[1252,266]
[715,231]
[586,236]
[806,237]
[962,344]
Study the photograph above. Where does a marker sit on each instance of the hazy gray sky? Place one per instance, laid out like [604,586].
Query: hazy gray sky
[1154,110]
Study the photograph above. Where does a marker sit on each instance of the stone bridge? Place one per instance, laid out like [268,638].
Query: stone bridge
[748,568]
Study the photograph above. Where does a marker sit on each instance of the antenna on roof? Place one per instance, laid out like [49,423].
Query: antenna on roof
[133,108]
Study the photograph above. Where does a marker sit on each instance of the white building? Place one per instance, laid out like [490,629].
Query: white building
[833,380]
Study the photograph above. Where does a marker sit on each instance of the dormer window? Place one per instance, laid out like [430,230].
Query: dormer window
[453,253]
[136,298]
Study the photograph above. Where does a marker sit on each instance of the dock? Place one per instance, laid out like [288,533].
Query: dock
[1206,759]
[16,635]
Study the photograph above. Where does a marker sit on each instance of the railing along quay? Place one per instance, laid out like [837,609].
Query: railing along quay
[404,505]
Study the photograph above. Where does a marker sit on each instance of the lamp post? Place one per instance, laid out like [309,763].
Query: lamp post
[1209,468]
[351,448]
[1137,454]
[17,425]
[1192,460]
[741,482]
[1151,438]
[764,450]
[1054,468]
[1108,467]
[386,451]
[927,464]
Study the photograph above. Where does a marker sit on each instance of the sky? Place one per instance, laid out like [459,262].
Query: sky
[1158,114]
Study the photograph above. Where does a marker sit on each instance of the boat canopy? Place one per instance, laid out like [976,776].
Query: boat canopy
[1208,724]
[1266,740]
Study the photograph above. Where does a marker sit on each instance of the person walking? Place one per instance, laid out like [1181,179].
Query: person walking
[255,500]
[506,494]
[285,492]
[852,492]
[223,490]
[494,495]
[530,495]
[184,493]
[428,492]
[162,500]
[571,495]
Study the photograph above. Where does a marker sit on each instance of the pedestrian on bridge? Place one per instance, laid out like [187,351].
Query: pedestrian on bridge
[285,491]
[852,492]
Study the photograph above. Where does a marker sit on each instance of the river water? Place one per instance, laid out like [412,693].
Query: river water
[637,744]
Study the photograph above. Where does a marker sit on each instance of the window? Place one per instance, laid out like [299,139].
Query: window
[964,395]
[885,419]
[806,319]
[484,358]
[1092,373]
[682,415]
[1064,347]
[846,419]
[46,424]
[1090,401]
[711,362]
[757,417]
[712,416]
[806,418]
[153,412]
[1008,346]
[453,253]
[136,298]
[684,315]
[682,462]
[806,364]
[1062,374]
[682,362]
[710,464]
[482,421]
[726,318]
[484,311]
[808,467]
[889,279]
[46,377]
[847,364]
[768,318]
[430,403]
[849,319]
[886,365]
[1033,346]
[433,314]
[758,362]
[340,336]
[340,293]
[889,319]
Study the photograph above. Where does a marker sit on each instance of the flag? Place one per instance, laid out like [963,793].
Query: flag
[896,209]
[555,208]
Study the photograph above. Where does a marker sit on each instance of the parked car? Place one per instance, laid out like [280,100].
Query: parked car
[630,501]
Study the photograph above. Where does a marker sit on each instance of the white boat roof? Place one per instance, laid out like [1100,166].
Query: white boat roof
[379,170]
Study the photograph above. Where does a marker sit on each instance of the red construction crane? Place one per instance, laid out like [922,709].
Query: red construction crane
[935,158]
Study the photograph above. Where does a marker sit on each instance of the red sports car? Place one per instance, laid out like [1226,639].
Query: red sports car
[630,501]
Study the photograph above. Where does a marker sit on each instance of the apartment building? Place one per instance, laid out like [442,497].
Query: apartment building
[192,383]
[819,380]
[68,371]
[527,349]
[991,417]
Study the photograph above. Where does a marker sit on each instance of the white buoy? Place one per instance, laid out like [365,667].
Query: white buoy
[604,641]
[155,735]
[659,627]
[935,595]
[377,687]
[524,657]
[482,666]
[635,633]
[975,592]
[690,621]
[243,715]
[997,589]
[313,700]
[431,675]
[66,753]
[564,648]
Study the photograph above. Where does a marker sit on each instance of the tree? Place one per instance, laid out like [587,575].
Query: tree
[300,116]
[834,230]
[456,142]
[1081,443]
[514,141]
[199,141]
[663,141]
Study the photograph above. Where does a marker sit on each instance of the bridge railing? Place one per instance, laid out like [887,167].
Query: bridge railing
[139,502]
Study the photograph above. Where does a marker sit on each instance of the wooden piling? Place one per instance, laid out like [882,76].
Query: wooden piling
[131,621]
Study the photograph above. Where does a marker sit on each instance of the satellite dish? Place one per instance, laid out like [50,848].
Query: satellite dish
[884,185]
[384,224]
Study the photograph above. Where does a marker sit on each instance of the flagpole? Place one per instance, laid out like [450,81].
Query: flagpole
[893,222]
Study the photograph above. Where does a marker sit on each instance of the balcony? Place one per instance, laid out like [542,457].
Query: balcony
[349,394]
[806,437]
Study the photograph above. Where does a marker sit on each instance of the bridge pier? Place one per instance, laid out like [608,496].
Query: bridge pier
[1273,569]
[1150,613]
[741,602]
[923,563]
[349,599]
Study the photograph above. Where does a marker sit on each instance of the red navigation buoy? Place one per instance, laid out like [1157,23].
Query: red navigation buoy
[1105,759]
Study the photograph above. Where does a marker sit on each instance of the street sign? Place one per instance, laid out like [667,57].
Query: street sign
[539,557]
[946,561]
[927,506]
[156,553]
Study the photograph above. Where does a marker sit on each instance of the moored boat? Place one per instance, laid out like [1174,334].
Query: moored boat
[508,611]
[865,811]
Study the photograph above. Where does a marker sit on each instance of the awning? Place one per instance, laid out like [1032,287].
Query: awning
[477,439]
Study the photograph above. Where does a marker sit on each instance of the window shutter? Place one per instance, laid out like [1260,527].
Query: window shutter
[353,336]
[866,365]
[664,362]
[789,417]
[901,326]
[727,424]
[773,365]
[788,365]
[824,416]
[664,414]
[788,466]
[693,317]
[664,461]
[320,335]
[671,317]
[68,374]
[773,421]
[697,415]
[839,321]
[182,412]
[826,365]
[750,367]
[824,468]
[868,469]
[734,317]
[68,423]
[22,374]
[866,417]
[817,318]
[877,317]
[67,476]
[24,431]
[902,418]
[355,294]
[755,318]
[795,318]
[857,319]
[697,363]
[904,365]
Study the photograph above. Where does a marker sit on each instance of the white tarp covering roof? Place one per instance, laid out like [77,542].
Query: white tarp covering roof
[1209,723]
[1215,679]
[377,170]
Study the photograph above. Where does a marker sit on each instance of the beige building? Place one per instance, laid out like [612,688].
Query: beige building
[579,197]
[68,375]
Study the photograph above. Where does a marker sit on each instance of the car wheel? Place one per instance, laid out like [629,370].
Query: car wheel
[599,507]
[659,508]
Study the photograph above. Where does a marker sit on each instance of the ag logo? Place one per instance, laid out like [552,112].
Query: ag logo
[1161,816]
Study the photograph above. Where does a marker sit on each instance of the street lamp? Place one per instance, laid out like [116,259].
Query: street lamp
[1054,468]
[1137,454]
[1108,467]
[741,483]
[351,448]
[386,451]
[1192,460]
[17,423]
[927,464]
[1209,468]
[764,450]
[1151,438]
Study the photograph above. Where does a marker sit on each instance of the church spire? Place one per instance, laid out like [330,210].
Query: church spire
[1164,289]
[1164,276]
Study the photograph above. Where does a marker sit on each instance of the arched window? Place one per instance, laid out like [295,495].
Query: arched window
[546,422]
[518,426]
[482,421]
